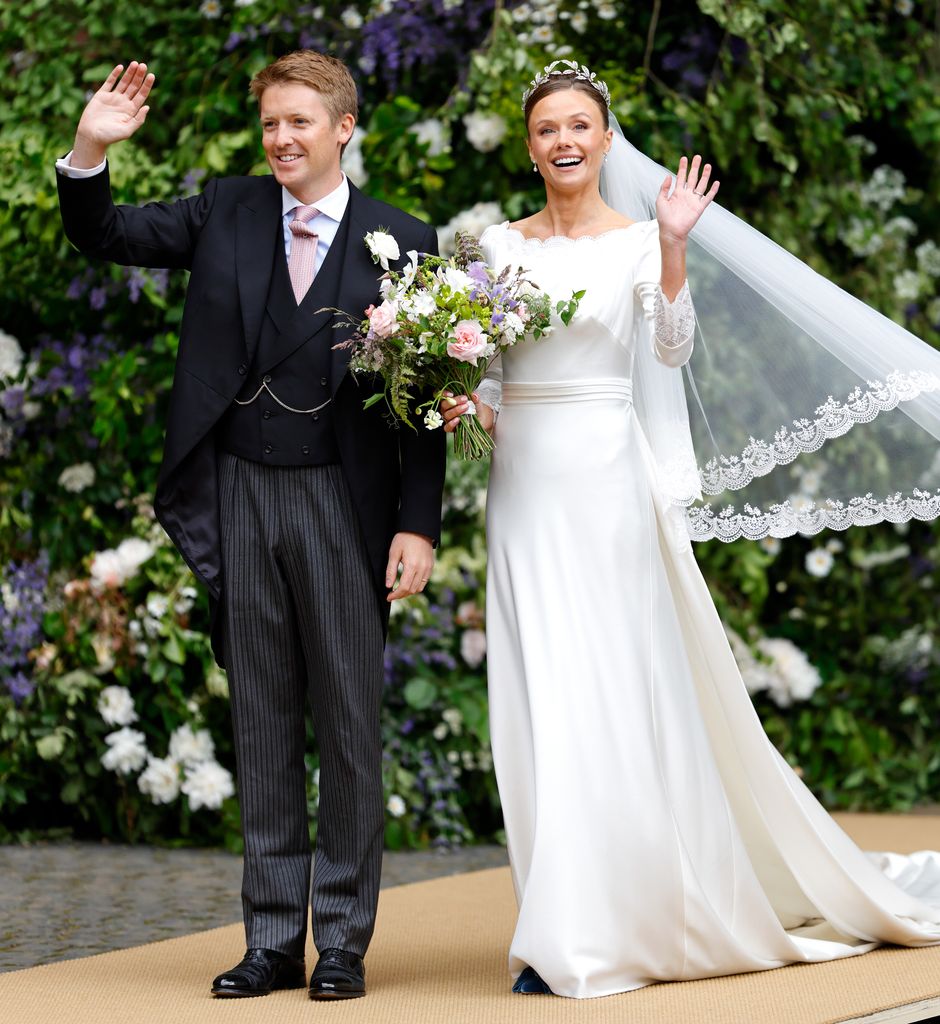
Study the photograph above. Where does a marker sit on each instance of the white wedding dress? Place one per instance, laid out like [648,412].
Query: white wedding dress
[654,832]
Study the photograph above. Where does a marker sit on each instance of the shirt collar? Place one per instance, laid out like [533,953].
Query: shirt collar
[332,205]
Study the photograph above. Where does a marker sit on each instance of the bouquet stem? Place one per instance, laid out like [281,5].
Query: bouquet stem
[471,441]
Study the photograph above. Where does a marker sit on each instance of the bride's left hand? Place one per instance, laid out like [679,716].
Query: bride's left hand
[677,213]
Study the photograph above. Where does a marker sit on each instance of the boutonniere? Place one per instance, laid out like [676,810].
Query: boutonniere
[382,247]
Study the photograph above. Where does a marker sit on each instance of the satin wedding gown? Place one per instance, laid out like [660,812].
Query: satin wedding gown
[654,832]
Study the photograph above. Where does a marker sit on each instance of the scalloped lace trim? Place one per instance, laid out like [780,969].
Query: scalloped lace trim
[833,419]
[556,241]
[783,520]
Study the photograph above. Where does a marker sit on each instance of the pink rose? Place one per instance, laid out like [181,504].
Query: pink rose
[469,342]
[383,319]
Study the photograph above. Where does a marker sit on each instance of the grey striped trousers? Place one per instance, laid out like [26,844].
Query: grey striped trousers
[302,623]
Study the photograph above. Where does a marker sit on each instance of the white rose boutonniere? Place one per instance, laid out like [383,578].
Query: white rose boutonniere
[383,247]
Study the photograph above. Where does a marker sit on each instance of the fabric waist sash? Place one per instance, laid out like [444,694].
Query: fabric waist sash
[587,390]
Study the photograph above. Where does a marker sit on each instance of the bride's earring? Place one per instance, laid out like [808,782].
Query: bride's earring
[535,167]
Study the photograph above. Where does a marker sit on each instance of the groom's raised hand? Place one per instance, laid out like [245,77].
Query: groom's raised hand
[113,113]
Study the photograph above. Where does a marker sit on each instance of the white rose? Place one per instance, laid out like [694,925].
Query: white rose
[116,705]
[133,552]
[107,569]
[485,131]
[76,478]
[432,133]
[383,247]
[473,646]
[160,780]
[207,785]
[127,751]
[797,677]
[396,806]
[11,356]
[441,732]
[189,747]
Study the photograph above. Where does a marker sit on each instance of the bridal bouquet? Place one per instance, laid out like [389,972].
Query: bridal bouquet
[439,326]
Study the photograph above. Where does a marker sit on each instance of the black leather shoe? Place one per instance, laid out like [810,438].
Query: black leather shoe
[260,972]
[338,975]
[530,984]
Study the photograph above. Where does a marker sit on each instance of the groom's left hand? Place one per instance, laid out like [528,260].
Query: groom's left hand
[411,558]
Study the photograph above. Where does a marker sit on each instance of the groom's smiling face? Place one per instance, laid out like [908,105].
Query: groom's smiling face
[301,140]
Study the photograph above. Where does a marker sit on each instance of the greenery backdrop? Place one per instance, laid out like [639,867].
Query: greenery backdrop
[822,119]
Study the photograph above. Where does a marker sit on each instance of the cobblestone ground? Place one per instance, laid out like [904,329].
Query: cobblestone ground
[65,900]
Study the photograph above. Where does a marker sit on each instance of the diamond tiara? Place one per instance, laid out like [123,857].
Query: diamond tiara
[567,67]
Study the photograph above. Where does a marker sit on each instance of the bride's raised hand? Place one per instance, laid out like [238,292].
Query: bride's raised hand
[677,213]
[115,111]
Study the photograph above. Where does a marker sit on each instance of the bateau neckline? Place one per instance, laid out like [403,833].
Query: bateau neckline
[569,238]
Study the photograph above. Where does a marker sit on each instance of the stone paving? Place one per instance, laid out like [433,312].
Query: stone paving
[65,900]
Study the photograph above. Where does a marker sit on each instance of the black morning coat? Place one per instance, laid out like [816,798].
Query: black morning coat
[227,236]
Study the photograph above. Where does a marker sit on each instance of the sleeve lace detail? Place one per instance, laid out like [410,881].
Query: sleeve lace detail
[490,392]
[673,322]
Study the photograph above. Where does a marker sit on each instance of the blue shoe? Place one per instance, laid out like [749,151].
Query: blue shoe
[530,984]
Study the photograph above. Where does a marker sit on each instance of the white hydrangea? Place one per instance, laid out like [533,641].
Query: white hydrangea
[76,478]
[485,130]
[819,562]
[116,705]
[473,220]
[160,780]
[441,732]
[11,356]
[907,285]
[114,567]
[127,751]
[861,238]
[796,677]
[190,747]
[433,133]
[210,9]
[353,162]
[473,646]
[207,785]
[396,806]
[884,188]
[928,258]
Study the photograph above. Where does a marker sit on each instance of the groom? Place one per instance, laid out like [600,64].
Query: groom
[294,506]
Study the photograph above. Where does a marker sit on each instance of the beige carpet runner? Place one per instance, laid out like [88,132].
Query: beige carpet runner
[439,956]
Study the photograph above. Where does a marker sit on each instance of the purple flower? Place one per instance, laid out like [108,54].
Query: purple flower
[11,401]
[477,271]
[20,686]
[76,288]
[97,298]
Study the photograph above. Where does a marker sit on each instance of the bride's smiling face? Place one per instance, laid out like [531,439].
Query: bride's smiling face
[567,138]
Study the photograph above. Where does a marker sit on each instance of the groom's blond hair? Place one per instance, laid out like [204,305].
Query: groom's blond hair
[326,75]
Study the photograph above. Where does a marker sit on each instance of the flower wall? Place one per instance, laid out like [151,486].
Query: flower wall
[822,121]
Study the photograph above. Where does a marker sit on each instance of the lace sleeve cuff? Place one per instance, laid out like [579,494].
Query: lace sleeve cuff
[490,392]
[673,326]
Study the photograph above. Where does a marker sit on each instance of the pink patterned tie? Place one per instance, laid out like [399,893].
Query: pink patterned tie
[303,251]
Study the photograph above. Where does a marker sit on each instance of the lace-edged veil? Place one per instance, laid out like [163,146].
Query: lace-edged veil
[801,408]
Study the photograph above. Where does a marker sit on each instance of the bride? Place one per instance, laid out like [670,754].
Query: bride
[654,832]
